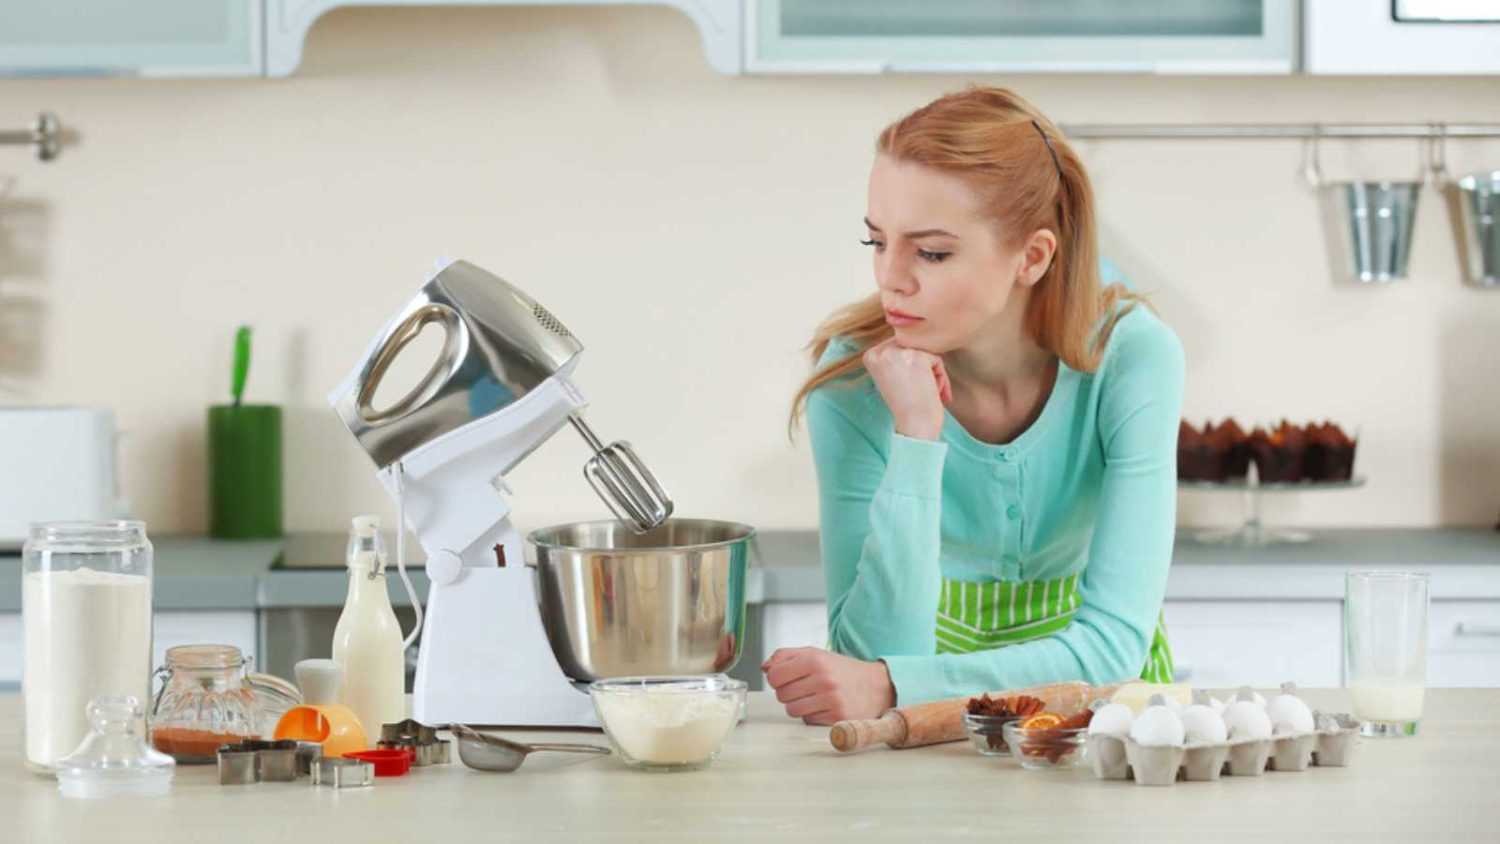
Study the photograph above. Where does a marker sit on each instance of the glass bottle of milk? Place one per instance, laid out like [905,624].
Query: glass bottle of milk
[86,619]
[367,642]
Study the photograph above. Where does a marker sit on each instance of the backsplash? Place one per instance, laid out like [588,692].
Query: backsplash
[691,229]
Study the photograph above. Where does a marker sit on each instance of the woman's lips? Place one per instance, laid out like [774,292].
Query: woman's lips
[899,318]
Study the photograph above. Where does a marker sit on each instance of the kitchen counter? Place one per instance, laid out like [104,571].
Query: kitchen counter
[194,573]
[778,779]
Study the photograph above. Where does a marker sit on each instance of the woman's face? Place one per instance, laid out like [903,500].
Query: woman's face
[944,268]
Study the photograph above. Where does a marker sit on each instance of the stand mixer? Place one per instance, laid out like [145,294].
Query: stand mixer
[500,387]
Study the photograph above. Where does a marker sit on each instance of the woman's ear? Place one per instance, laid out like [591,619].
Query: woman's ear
[1036,257]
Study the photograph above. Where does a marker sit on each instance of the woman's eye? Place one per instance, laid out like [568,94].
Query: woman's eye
[878,244]
[934,257]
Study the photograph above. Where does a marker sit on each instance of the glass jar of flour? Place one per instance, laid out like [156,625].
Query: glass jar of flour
[86,618]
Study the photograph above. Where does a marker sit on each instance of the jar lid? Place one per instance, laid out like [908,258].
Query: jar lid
[114,759]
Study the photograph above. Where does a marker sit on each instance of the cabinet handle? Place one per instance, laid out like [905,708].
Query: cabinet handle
[1466,629]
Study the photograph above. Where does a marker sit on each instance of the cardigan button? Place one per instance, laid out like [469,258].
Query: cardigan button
[1013,512]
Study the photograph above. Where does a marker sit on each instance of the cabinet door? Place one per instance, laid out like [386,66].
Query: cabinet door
[1163,36]
[130,38]
[795,625]
[1463,644]
[1227,644]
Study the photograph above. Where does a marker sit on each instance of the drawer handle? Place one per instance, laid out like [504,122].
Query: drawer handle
[1466,629]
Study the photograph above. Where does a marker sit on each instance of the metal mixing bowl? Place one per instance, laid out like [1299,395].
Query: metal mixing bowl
[616,603]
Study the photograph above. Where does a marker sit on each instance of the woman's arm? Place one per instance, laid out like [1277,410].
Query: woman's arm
[879,518]
[1126,575]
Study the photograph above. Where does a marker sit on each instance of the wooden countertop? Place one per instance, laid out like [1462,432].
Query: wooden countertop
[779,780]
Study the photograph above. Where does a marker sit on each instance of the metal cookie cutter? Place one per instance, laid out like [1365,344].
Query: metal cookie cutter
[343,773]
[236,765]
[420,739]
[257,761]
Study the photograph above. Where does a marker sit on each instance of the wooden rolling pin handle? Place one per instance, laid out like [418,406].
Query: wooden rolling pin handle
[849,736]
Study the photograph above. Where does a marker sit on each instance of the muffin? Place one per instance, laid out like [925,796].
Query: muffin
[1197,460]
[1278,453]
[1330,453]
[1233,447]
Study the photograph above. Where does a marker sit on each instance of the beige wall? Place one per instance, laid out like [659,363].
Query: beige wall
[691,228]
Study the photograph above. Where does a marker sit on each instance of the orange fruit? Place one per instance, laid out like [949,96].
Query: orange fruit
[1042,721]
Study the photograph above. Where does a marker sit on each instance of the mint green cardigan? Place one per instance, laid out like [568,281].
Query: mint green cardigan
[1090,487]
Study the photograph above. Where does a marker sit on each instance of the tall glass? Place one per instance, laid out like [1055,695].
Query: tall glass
[1385,649]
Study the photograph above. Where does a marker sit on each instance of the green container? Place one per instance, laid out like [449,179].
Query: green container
[244,471]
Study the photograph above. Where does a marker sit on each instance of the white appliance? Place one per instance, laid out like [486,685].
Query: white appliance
[499,388]
[1394,37]
[56,464]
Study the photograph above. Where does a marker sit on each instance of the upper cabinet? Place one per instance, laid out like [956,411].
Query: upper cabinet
[1151,36]
[1389,37]
[265,37]
[131,38]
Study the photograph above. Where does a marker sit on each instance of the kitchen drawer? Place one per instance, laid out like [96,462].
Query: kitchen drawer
[794,625]
[1463,644]
[1226,644]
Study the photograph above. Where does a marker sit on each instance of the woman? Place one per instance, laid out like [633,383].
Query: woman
[994,432]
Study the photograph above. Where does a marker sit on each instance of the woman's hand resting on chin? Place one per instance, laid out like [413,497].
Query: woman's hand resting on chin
[914,385]
[822,687]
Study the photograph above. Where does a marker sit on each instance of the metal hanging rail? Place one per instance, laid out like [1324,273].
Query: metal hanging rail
[45,134]
[1132,131]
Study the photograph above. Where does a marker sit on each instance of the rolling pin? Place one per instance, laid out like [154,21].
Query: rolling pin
[942,720]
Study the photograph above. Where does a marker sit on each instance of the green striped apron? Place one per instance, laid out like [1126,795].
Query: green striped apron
[983,616]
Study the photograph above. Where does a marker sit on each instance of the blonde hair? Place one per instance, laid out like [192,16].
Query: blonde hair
[1030,178]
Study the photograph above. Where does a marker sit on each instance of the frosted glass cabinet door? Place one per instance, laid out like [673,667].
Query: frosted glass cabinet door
[1161,36]
[130,37]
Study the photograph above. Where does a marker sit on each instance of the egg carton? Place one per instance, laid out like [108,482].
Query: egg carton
[1329,746]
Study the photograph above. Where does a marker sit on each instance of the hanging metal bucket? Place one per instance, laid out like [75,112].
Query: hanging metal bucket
[1368,224]
[1474,208]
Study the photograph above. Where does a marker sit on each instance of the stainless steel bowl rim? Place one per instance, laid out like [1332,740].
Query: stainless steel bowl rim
[747,531]
[712,683]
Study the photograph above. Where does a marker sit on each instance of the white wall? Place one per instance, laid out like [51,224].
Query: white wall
[692,229]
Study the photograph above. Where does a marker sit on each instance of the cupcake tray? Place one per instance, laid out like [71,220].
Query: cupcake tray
[1115,758]
[1254,531]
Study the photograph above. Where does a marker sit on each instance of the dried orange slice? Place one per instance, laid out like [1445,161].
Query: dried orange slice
[1042,721]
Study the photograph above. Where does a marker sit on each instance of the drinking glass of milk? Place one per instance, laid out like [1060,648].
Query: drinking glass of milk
[86,619]
[1385,649]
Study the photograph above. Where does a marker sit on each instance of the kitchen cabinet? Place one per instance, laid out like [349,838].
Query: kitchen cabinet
[1391,37]
[288,21]
[1463,643]
[1226,644]
[125,38]
[1151,36]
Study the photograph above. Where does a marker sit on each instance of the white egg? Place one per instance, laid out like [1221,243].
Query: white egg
[1156,726]
[1246,720]
[1112,719]
[1218,706]
[1202,725]
[1289,714]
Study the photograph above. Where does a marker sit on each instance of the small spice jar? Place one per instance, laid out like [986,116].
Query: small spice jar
[204,702]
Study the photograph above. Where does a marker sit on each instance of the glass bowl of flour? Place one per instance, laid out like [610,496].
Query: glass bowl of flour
[668,723]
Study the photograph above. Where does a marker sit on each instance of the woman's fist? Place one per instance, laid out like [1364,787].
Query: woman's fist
[914,385]
[822,687]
